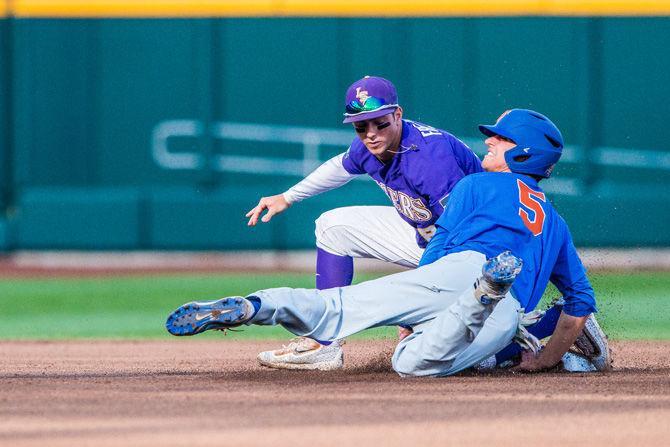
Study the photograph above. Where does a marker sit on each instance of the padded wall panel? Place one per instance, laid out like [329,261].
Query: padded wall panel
[79,218]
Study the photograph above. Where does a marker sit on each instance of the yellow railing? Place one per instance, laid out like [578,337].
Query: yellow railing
[331,8]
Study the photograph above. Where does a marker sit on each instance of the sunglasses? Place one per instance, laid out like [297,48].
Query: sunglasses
[371,103]
[363,128]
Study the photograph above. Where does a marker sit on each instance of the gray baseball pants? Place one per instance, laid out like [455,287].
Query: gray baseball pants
[452,330]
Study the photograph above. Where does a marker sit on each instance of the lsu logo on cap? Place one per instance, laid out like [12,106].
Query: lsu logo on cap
[362,95]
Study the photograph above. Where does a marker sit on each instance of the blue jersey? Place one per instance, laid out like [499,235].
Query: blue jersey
[419,177]
[493,212]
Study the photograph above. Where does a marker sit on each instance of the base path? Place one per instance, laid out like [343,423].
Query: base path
[194,392]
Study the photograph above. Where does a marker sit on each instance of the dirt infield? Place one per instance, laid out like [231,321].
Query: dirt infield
[190,392]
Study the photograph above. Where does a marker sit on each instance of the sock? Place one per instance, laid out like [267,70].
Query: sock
[333,270]
[542,329]
[256,302]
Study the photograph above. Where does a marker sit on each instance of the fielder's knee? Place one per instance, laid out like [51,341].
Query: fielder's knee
[330,230]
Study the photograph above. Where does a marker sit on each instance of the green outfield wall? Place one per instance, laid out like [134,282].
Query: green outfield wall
[152,131]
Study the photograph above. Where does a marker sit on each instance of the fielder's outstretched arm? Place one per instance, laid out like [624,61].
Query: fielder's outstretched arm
[274,205]
[329,175]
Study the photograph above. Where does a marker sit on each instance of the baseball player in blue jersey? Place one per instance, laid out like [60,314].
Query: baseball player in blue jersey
[414,164]
[496,247]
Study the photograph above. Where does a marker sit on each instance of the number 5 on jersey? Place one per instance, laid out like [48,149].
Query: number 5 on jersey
[531,200]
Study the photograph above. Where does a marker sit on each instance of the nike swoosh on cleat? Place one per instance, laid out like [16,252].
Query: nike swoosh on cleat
[216,313]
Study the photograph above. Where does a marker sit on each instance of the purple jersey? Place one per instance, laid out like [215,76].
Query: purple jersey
[420,176]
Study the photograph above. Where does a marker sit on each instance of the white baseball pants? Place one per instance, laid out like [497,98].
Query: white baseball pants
[368,232]
[452,330]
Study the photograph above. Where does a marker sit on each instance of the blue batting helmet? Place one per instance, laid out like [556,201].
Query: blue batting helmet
[539,143]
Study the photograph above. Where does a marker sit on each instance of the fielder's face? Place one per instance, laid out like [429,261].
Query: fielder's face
[494,160]
[381,135]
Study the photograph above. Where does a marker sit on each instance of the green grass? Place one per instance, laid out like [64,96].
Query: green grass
[632,305]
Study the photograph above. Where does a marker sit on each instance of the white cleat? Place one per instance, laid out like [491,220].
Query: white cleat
[576,363]
[304,353]
[590,352]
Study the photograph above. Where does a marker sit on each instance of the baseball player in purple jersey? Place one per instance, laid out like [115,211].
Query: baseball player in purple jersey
[414,164]
[497,245]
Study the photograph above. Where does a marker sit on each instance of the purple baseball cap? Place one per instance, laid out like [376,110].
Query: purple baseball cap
[368,98]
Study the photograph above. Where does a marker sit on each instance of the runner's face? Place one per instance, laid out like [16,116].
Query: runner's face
[494,160]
